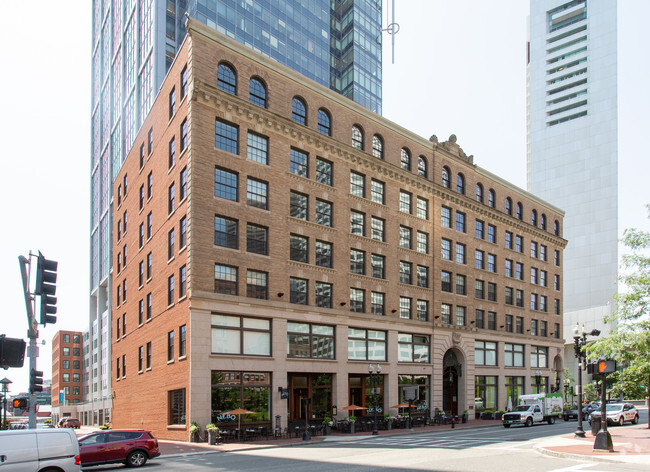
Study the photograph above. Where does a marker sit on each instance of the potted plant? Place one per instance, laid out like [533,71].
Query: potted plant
[487,415]
[352,419]
[499,414]
[389,421]
[213,433]
[195,429]
[465,416]
[327,425]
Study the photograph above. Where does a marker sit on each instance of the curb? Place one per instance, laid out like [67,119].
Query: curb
[590,458]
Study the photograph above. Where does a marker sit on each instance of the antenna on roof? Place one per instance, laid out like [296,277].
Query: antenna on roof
[392,28]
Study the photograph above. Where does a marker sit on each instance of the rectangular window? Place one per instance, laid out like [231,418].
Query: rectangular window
[486,392]
[226,136]
[533,327]
[172,153]
[298,205]
[519,244]
[460,221]
[519,325]
[533,301]
[533,275]
[479,259]
[556,332]
[422,208]
[257,284]
[480,319]
[171,243]
[366,345]
[492,263]
[519,298]
[183,132]
[172,102]
[141,155]
[225,232]
[492,292]
[405,271]
[445,311]
[405,237]
[257,148]
[148,306]
[509,326]
[357,262]
[324,171]
[377,191]
[298,291]
[492,234]
[460,316]
[556,257]
[310,340]
[538,357]
[357,300]
[323,295]
[479,289]
[485,353]
[542,252]
[543,278]
[377,228]
[257,193]
[141,312]
[508,271]
[533,249]
[543,329]
[357,184]
[461,289]
[460,253]
[176,407]
[422,242]
[543,303]
[225,279]
[519,271]
[299,163]
[324,254]
[170,346]
[405,308]
[141,274]
[378,262]
[183,181]
[240,335]
[446,217]
[509,296]
[492,320]
[149,186]
[323,212]
[377,303]
[514,355]
[446,281]
[225,184]
[422,310]
[182,279]
[413,348]
[508,243]
[556,282]
[446,249]
[298,248]
[405,202]
[170,290]
[479,230]
[256,239]
[183,93]
[357,223]
[149,225]
[182,342]
[422,276]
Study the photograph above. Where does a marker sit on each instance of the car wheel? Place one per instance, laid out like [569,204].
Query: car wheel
[621,421]
[529,422]
[551,420]
[635,420]
[566,417]
[136,459]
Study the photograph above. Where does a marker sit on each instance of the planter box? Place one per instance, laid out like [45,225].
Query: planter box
[487,416]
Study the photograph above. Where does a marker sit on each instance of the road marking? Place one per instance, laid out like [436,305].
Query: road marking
[573,467]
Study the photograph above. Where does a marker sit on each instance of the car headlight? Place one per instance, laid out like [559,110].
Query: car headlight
[523,417]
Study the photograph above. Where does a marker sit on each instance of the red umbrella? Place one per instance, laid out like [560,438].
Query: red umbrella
[401,405]
[353,407]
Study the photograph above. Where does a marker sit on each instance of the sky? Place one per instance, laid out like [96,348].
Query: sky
[460,67]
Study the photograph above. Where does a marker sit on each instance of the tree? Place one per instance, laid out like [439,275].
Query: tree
[629,342]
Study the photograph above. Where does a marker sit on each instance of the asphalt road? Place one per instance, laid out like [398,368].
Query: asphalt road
[491,449]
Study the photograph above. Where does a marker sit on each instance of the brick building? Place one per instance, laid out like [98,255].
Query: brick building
[273,238]
[67,372]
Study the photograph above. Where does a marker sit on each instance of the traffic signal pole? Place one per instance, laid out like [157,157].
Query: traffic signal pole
[32,333]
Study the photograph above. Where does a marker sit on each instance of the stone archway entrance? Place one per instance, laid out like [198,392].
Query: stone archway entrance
[452,370]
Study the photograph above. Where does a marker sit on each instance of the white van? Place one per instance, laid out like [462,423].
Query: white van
[35,450]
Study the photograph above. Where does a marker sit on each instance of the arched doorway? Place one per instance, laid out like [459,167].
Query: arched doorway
[452,370]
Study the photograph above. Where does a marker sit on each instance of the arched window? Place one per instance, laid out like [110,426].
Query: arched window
[491,198]
[520,211]
[446,180]
[556,228]
[226,79]
[405,159]
[543,221]
[299,111]
[460,184]
[422,166]
[377,147]
[257,92]
[357,137]
[479,193]
[508,206]
[533,217]
[324,122]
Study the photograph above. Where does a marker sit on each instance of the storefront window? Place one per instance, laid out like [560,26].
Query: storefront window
[241,335]
[486,392]
[310,340]
[538,384]
[318,388]
[514,388]
[248,390]
[366,344]
[413,348]
[421,405]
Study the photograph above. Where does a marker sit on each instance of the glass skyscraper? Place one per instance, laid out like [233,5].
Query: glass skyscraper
[334,42]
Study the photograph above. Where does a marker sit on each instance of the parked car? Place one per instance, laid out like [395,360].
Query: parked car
[129,446]
[63,420]
[570,414]
[71,423]
[618,413]
[39,450]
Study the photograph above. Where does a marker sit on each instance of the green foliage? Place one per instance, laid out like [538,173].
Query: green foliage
[352,419]
[195,427]
[629,343]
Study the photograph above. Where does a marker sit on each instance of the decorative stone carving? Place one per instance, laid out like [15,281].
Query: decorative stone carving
[456,337]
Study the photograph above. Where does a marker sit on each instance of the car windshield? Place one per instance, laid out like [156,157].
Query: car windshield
[522,408]
[614,407]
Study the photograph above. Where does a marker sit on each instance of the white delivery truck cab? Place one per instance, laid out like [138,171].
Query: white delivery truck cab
[36,450]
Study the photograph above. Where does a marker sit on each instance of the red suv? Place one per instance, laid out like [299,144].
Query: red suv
[130,446]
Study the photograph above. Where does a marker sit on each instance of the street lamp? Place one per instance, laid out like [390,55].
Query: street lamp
[579,340]
[5,388]
[375,377]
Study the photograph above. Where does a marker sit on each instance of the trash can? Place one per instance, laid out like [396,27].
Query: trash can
[595,425]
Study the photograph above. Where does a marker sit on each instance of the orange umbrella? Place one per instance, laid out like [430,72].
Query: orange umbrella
[401,405]
[353,407]
[239,412]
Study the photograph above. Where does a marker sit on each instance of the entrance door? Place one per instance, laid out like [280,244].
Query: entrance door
[297,410]
[450,391]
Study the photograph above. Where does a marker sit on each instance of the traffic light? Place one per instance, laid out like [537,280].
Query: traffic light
[20,403]
[606,366]
[12,352]
[46,288]
[35,381]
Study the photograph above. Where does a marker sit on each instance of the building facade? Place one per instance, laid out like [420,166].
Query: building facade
[335,43]
[273,239]
[67,373]
[572,147]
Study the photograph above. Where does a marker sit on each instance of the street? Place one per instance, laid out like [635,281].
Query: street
[481,449]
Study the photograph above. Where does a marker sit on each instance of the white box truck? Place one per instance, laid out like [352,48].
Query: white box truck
[535,408]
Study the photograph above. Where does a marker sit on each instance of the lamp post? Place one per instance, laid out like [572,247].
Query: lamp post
[374,371]
[5,388]
[579,340]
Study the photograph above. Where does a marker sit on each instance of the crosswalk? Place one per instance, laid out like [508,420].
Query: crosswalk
[441,442]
